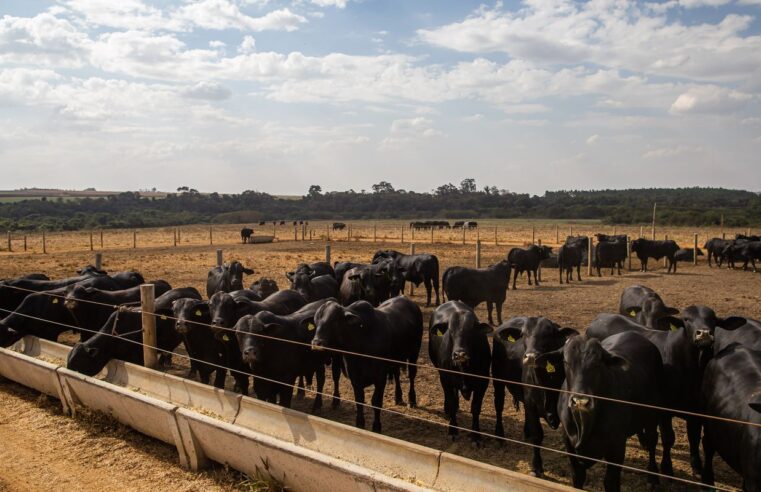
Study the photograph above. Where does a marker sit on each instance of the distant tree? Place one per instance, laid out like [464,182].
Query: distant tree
[314,190]
[383,187]
[468,185]
[182,188]
[446,189]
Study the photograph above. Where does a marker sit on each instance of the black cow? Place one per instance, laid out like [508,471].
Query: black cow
[748,335]
[339,226]
[687,254]
[282,222]
[624,367]
[458,224]
[457,342]
[90,307]
[226,278]
[644,306]
[714,247]
[394,331]
[313,287]
[747,238]
[280,363]
[417,268]
[610,253]
[341,267]
[13,291]
[121,337]
[730,390]
[208,354]
[261,222]
[645,248]
[684,344]
[245,234]
[527,260]
[30,276]
[734,252]
[612,238]
[570,256]
[476,285]
[373,283]
[264,287]
[746,251]
[317,268]
[524,350]
[43,314]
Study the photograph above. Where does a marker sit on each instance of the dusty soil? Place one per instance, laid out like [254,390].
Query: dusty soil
[728,292]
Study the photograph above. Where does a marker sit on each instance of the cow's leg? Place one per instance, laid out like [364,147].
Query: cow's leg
[499,305]
[300,392]
[335,370]
[204,375]
[578,470]
[475,411]
[753,262]
[614,456]
[489,309]
[667,439]
[499,406]
[398,398]
[533,433]
[537,278]
[359,397]
[529,276]
[286,394]
[219,378]
[560,273]
[694,427]
[428,288]
[320,373]
[377,400]
[708,450]
[451,404]
[412,373]
[649,440]
[435,281]
[515,277]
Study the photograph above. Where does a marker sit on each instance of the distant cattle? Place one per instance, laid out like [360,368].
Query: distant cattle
[527,260]
[645,248]
[714,247]
[687,254]
[339,226]
[429,224]
[226,278]
[476,285]
[611,237]
[261,222]
[748,251]
[458,224]
[471,224]
[282,222]
[610,253]
[747,238]
[570,256]
[245,234]
[419,268]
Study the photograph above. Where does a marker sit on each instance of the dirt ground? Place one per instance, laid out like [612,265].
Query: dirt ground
[728,292]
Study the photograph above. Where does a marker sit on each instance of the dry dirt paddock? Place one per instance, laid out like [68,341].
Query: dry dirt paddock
[728,292]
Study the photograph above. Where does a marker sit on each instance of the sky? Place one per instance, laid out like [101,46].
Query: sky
[278,95]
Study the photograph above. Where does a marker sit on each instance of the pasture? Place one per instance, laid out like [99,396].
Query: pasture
[156,257]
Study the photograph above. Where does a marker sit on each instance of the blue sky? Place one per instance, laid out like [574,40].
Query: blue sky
[228,95]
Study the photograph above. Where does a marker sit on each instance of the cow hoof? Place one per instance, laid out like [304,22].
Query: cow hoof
[399,402]
[537,474]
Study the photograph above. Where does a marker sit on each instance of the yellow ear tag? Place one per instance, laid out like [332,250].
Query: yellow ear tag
[55,300]
[510,339]
[310,327]
[225,338]
[198,312]
[549,367]
[163,318]
[673,327]
[632,313]
[439,333]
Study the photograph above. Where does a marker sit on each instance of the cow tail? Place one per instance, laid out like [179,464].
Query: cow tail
[444,284]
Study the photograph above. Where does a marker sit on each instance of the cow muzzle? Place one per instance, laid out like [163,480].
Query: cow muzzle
[703,338]
[529,359]
[249,356]
[181,328]
[70,304]
[318,345]
[580,403]
[460,358]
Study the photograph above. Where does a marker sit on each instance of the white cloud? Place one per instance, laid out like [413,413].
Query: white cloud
[691,4]
[212,91]
[341,4]
[473,118]
[593,139]
[224,14]
[674,151]
[248,45]
[43,40]
[709,99]
[217,44]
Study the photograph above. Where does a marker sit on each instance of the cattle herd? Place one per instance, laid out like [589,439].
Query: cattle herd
[629,373]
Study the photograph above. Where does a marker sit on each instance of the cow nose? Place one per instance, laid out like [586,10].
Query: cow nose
[703,336]
[460,356]
[318,344]
[249,355]
[580,402]
[70,304]
[529,359]
[182,328]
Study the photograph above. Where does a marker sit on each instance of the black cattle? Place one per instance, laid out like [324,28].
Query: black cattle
[684,344]
[458,224]
[90,307]
[261,222]
[612,238]
[550,262]
[645,248]
[644,306]
[264,287]
[394,331]
[624,367]
[226,278]
[313,287]
[121,337]
[245,234]
[610,253]
[733,252]
[570,256]
[43,314]
[747,238]
[208,353]
[524,350]
[476,285]
[249,294]
[748,335]
[339,226]
[317,268]
[279,363]
[282,222]
[748,251]
[350,290]
[471,224]
[687,254]
[30,276]
[416,269]
[373,283]
[13,291]
[731,390]
[714,248]
[457,342]
[341,267]
[527,260]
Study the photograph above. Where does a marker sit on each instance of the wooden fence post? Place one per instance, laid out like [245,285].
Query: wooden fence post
[327,229]
[274,229]
[641,232]
[327,254]
[9,242]
[570,230]
[589,257]
[431,234]
[722,227]
[653,226]
[174,236]
[134,238]
[91,245]
[101,239]
[533,235]
[413,234]
[99,261]
[348,234]
[147,297]
[412,252]
[44,243]
[219,257]
[375,233]
[557,234]
[478,253]
[295,233]
[478,233]
[211,236]
[496,241]
[695,249]
[403,234]
[665,260]
[463,234]
[24,242]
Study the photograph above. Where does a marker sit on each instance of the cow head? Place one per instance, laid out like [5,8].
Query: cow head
[587,365]
[458,335]
[333,323]
[190,313]
[236,271]
[651,310]
[128,279]
[543,342]
[638,245]
[700,324]
[265,287]
[224,312]
[87,358]
[249,330]
[74,294]
[301,282]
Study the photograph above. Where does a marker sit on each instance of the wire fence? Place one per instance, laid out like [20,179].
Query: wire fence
[387,410]
[122,336]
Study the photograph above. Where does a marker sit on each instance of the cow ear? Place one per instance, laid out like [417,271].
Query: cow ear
[438,329]
[614,360]
[510,335]
[248,271]
[755,402]
[485,328]
[669,323]
[672,311]
[633,310]
[270,327]
[289,275]
[568,333]
[352,319]
[732,323]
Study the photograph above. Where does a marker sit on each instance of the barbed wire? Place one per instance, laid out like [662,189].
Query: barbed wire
[388,410]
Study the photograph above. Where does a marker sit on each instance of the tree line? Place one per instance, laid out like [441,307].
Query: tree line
[676,206]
